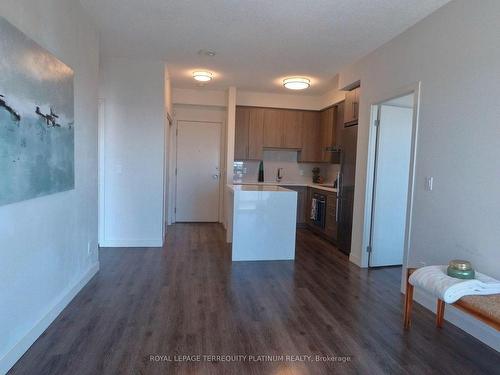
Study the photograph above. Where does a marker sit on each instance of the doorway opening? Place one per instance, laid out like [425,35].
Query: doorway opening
[395,124]
[197,171]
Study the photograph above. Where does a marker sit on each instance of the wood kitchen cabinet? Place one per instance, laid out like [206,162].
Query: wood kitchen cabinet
[282,128]
[256,133]
[319,133]
[351,107]
[273,128]
[337,132]
[311,138]
[328,133]
[292,129]
[249,133]
[339,121]
[241,133]
[309,132]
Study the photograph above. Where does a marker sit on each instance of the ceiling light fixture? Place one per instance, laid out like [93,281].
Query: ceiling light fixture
[297,83]
[202,76]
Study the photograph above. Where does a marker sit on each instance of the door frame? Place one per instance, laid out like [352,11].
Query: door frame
[174,172]
[414,89]
[101,175]
[166,173]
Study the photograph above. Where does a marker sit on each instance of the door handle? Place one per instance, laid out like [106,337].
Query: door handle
[215,176]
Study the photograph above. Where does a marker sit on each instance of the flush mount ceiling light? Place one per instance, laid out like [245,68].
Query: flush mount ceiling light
[297,83]
[202,76]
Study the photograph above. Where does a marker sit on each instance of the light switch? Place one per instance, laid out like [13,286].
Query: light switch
[429,181]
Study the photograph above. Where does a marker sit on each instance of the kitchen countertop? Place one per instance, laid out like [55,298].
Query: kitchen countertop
[257,187]
[286,183]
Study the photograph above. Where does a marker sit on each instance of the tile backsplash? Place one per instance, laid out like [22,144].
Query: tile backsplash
[293,172]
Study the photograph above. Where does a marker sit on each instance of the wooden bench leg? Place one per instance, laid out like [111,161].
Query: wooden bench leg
[408,301]
[440,313]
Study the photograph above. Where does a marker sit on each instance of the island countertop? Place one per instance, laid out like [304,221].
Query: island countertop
[258,187]
[289,183]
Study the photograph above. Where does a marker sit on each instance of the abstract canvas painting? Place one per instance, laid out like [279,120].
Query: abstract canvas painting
[36,119]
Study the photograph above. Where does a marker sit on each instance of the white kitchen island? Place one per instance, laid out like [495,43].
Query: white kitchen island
[263,222]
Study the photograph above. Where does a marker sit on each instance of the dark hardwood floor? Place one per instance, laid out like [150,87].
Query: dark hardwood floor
[189,299]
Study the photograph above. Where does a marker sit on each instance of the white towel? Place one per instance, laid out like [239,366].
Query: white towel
[313,208]
[435,280]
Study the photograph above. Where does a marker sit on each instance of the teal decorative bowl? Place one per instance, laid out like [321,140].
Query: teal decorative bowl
[460,274]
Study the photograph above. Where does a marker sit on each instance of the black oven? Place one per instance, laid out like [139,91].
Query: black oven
[318,210]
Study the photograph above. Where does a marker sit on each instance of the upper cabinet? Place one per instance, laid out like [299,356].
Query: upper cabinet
[241,133]
[273,128]
[328,133]
[292,129]
[311,133]
[255,133]
[282,128]
[249,133]
[351,107]
[311,138]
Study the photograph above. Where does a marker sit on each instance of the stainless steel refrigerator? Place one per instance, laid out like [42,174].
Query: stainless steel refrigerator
[347,145]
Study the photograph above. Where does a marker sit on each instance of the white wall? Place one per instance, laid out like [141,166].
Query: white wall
[168,93]
[262,99]
[455,54]
[332,96]
[134,120]
[218,98]
[44,259]
[201,96]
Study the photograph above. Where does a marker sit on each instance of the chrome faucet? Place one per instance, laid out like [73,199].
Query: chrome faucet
[279,174]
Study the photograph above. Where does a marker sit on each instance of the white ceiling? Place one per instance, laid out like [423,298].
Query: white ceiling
[257,42]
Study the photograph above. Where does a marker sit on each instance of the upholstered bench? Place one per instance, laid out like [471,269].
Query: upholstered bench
[484,308]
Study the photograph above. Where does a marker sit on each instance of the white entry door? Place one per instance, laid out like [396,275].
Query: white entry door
[391,186]
[198,171]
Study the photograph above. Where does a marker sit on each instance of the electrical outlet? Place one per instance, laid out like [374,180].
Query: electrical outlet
[429,182]
[91,247]
[301,172]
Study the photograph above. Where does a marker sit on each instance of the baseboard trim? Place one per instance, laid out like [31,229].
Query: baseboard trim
[467,323]
[132,243]
[355,259]
[16,352]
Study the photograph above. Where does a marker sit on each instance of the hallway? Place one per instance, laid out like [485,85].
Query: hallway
[189,299]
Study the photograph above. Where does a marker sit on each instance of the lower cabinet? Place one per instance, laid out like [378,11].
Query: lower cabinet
[304,204]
